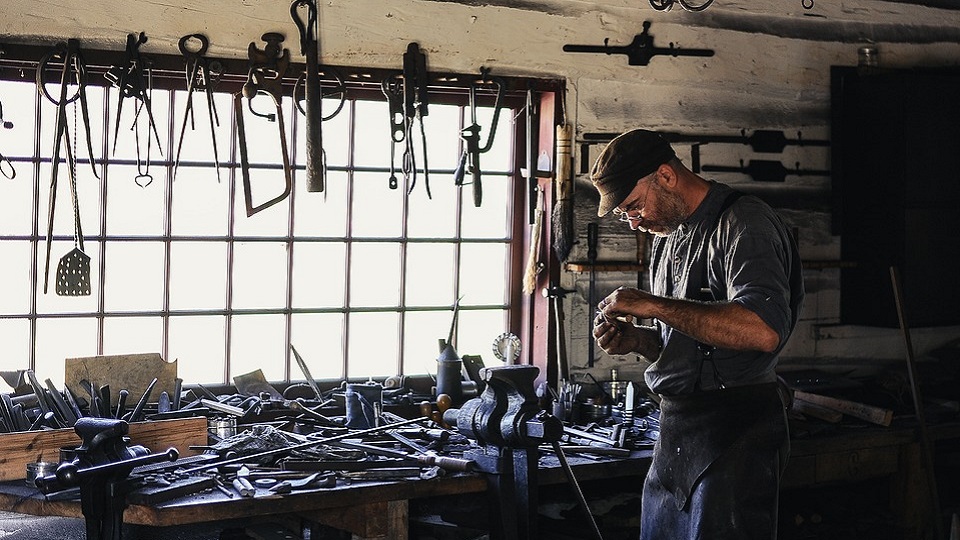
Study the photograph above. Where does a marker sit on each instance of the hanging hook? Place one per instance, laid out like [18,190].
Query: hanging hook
[5,123]
[6,168]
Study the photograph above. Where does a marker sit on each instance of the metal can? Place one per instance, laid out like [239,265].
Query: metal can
[222,427]
[39,469]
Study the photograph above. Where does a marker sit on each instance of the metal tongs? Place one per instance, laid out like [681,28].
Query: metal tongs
[407,97]
[470,159]
[267,68]
[74,269]
[204,75]
[132,81]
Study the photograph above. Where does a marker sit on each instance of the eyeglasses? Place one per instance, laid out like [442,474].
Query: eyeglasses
[636,206]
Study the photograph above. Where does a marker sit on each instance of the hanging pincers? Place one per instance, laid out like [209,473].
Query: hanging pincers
[193,47]
[131,80]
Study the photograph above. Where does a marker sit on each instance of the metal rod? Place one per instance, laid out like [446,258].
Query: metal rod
[568,471]
[306,444]
[925,442]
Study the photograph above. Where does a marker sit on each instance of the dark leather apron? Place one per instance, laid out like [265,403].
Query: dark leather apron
[697,431]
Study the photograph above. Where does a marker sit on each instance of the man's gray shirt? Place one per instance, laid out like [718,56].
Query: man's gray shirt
[747,256]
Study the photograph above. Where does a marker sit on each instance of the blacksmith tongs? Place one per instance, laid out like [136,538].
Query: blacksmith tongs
[199,75]
[131,81]
[73,69]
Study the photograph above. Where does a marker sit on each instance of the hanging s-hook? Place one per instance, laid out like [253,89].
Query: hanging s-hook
[6,166]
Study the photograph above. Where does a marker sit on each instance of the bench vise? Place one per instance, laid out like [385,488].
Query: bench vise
[508,425]
[101,467]
[507,413]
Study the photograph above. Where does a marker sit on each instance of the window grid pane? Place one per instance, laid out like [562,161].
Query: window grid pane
[363,275]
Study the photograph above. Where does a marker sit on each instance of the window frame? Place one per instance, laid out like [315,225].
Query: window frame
[360,84]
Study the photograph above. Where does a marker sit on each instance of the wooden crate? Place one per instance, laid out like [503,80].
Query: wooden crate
[18,449]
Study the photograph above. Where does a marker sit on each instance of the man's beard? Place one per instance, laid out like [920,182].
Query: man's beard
[671,213]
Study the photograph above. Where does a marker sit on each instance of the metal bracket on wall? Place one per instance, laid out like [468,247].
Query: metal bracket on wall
[764,141]
[640,50]
[765,170]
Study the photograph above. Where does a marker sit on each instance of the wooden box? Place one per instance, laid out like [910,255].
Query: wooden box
[18,449]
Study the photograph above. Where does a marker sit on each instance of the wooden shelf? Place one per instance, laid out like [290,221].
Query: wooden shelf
[605,266]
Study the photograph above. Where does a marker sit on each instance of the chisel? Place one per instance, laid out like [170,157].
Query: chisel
[163,402]
[122,402]
[106,405]
[177,391]
[38,391]
[6,412]
[138,409]
[306,373]
[72,402]
[63,410]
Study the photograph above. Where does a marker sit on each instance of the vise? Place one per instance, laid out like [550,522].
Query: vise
[507,414]
[101,467]
[508,425]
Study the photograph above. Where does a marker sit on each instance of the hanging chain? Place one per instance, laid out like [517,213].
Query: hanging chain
[77,234]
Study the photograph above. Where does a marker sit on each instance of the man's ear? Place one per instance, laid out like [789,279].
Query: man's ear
[667,174]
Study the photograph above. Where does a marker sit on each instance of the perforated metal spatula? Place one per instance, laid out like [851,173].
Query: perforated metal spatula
[73,271]
[73,274]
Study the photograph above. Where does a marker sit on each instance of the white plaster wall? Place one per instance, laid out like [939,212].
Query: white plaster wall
[771,70]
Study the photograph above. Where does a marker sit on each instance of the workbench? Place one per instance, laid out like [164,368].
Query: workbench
[380,509]
[848,454]
[367,509]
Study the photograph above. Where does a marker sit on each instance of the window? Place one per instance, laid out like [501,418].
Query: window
[361,278]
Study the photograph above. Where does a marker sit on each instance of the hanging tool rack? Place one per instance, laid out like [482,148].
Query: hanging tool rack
[338,82]
[763,141]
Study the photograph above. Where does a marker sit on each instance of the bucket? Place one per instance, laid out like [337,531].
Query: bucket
[223,427]
[363,403]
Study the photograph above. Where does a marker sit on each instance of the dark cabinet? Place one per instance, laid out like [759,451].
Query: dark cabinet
[896,190]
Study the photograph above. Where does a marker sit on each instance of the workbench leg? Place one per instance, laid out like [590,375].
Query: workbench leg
[910,495]
[375,521]
[398,522]
[316,531]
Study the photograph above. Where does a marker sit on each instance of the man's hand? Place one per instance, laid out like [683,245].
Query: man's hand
[614,336]
[626,302]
